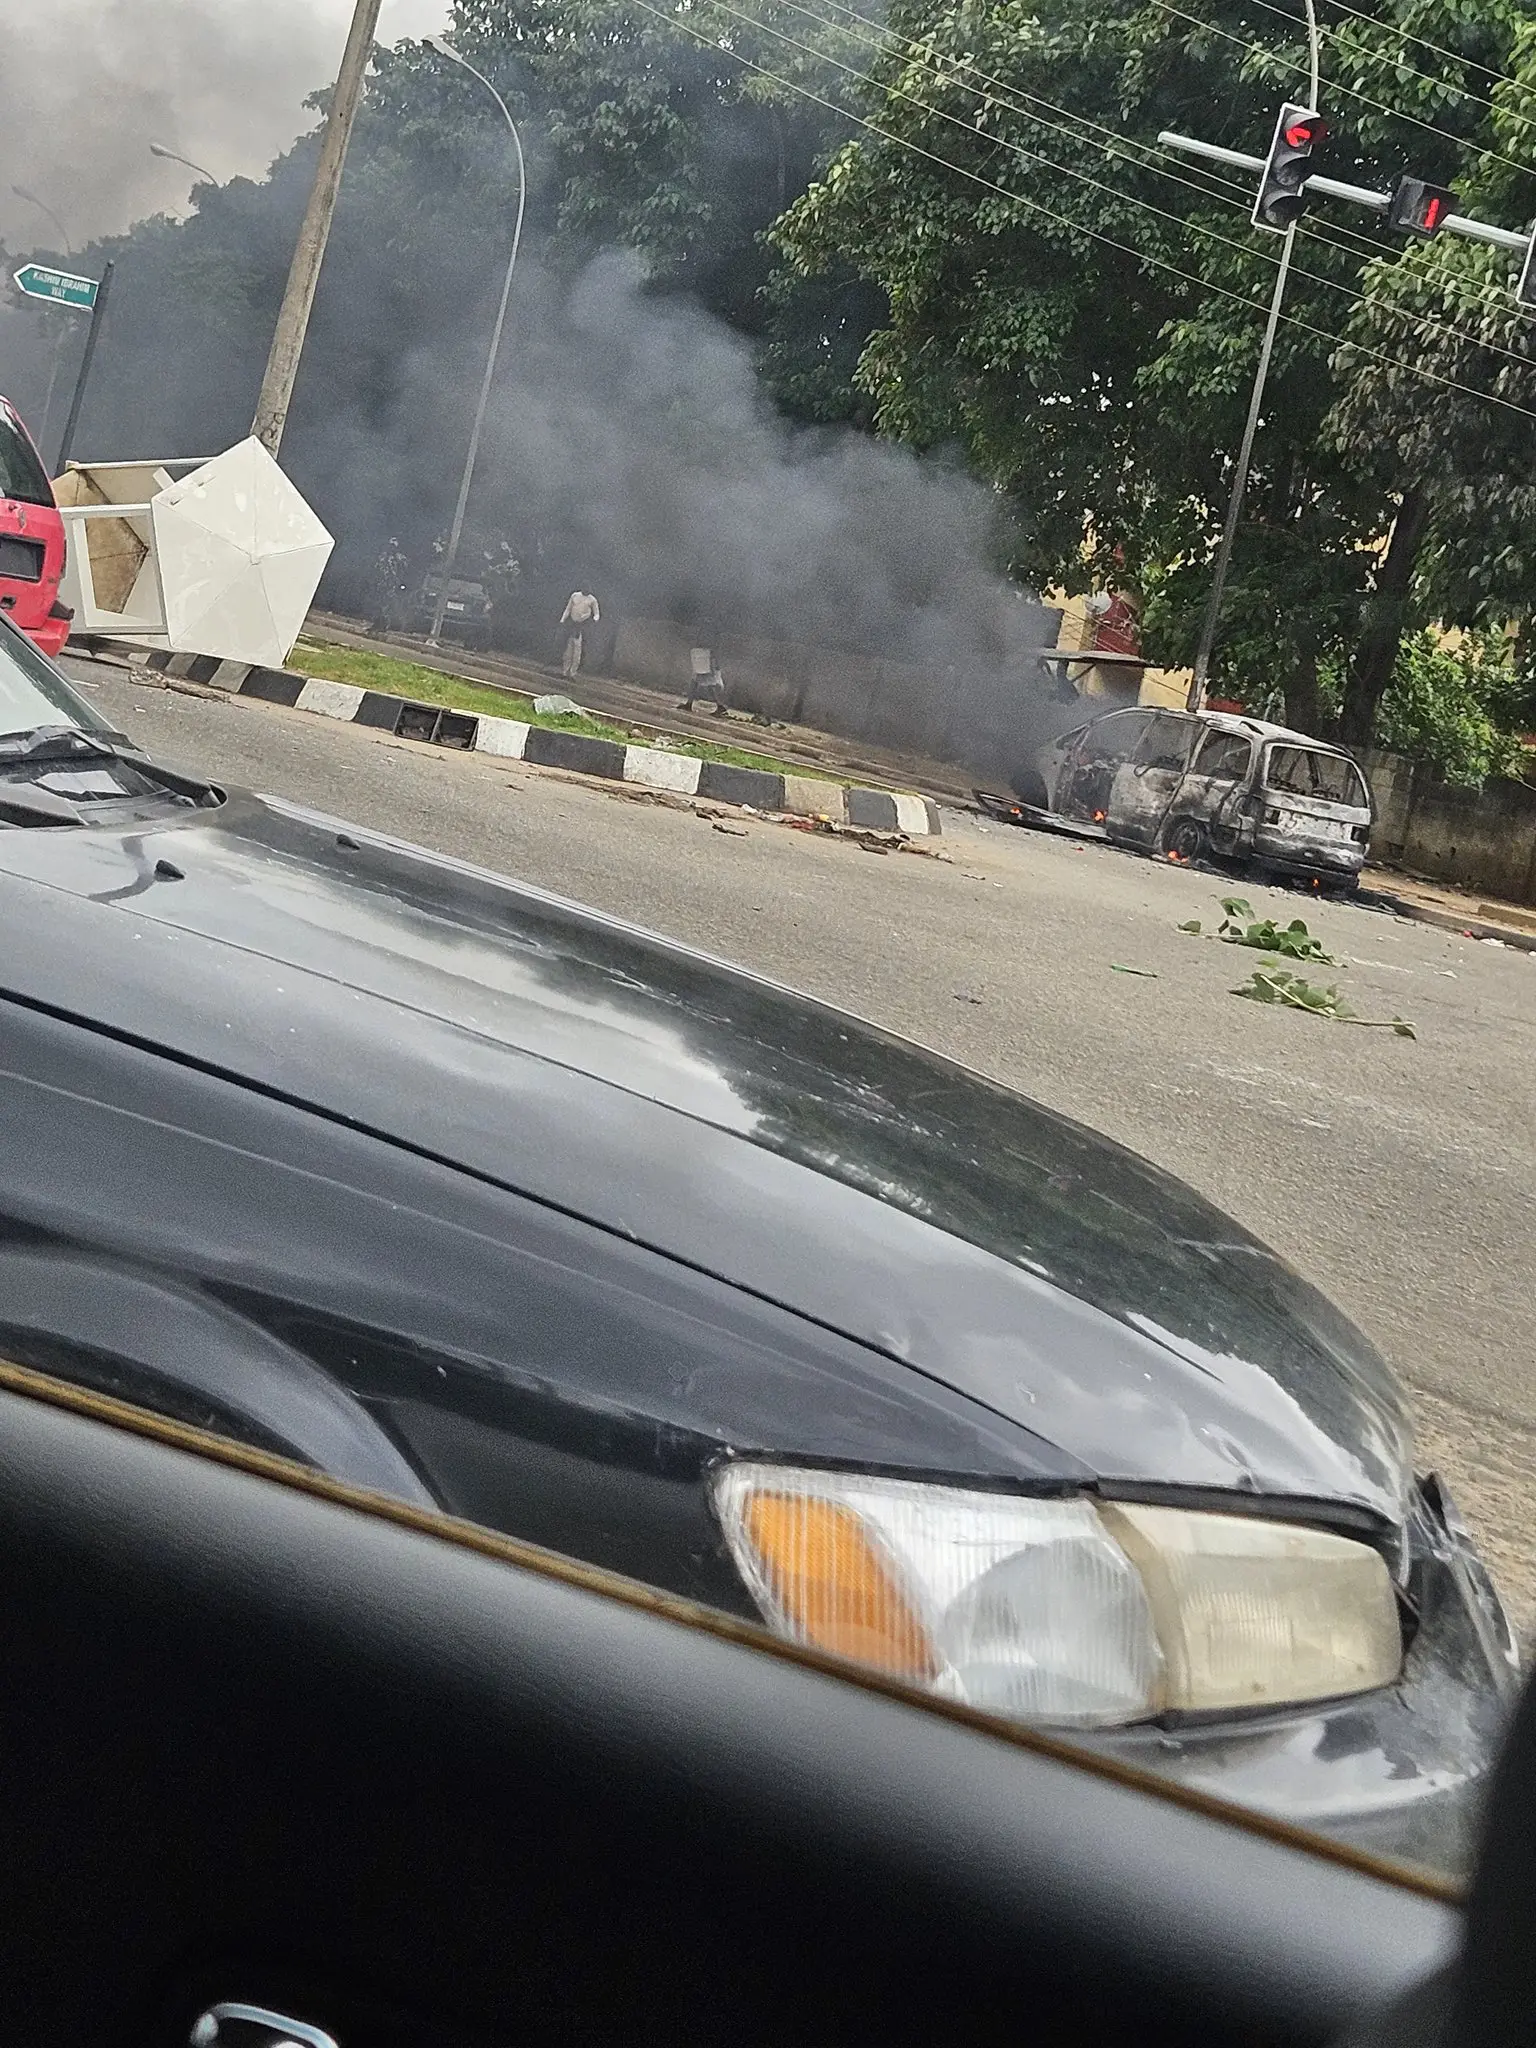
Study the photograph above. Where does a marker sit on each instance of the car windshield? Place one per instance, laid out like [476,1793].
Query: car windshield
[725,917]
[22,475]
[33,693]
[1309,771]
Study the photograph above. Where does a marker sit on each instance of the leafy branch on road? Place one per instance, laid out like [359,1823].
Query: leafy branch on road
[1279,985]
[1239,927]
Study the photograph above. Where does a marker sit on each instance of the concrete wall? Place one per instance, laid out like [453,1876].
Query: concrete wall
[981,720]
[1482,839]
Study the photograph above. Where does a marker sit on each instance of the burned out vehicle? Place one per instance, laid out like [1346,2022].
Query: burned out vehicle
[1194,783]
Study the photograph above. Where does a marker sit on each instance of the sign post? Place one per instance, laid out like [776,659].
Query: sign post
[58,287]
[98,305]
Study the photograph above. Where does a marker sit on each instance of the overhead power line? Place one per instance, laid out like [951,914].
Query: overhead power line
[925,64]
[1011,95]
[675,20]
[1356,48]
[1425,321]
[1349,91]
[1424,43]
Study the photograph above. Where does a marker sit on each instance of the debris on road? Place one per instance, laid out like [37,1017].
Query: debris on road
[1146,973]
[965,995]
[1239,927]
[735,831]
[1279,985]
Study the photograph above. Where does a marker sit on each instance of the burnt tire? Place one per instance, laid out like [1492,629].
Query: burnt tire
[1185,839]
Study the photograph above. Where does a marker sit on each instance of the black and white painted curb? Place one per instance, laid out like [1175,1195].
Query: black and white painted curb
[804,796]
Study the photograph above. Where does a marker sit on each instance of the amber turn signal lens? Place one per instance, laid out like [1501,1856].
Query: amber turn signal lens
[832,1584]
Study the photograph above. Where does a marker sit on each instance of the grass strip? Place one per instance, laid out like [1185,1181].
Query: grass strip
[395,678]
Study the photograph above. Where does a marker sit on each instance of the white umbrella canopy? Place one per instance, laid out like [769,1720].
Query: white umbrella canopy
[240,556]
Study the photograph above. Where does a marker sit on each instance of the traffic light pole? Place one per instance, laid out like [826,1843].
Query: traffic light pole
[1357,195]
[1212,619]
[1223,563]
[1328,188]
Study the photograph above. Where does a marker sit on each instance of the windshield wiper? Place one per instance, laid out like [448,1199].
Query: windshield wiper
[22,805]
[42,745]
[66,743]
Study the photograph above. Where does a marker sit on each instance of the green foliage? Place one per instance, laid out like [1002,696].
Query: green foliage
[1239,927]
[1449,706]
[1457,707]
[1081,316]
[1279,985]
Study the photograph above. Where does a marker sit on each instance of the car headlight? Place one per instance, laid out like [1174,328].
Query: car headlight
[1074,1612]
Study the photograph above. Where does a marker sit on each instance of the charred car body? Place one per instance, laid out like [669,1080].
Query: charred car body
[455,1190]
[1194,783]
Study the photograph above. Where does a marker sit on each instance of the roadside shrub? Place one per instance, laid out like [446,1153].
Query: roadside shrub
[1453,706]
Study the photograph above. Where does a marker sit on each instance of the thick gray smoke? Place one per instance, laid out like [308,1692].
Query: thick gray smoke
[87,85]
[629,443]
[630,448]
[635,428]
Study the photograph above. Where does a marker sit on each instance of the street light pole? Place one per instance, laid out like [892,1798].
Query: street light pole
[304,273]
[445,49]
[1212,619]
[32,200]
[174,156]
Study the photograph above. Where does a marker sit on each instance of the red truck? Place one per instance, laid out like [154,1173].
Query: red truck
[31,539]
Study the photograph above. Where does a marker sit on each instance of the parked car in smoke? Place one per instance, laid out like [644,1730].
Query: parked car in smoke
[1187,784]
[31,539]
[466,612]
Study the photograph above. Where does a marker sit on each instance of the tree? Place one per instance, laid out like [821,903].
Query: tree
[1081,315]
[1450,706]
[638,135]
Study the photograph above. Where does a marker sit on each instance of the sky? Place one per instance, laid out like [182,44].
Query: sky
[87,85]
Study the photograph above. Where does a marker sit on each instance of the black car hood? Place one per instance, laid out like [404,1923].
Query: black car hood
[844,1173]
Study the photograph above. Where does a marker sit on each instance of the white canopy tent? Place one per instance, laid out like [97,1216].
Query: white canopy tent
[224,559]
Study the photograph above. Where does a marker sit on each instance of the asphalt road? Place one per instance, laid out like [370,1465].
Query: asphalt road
[1401,1175]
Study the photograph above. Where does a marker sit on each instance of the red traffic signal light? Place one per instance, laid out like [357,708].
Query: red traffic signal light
[1282,199]
[1305,134]
[1419,209]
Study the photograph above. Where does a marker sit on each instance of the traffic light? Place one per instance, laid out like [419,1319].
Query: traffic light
[1525,290]
[1419,209]
[1281,199]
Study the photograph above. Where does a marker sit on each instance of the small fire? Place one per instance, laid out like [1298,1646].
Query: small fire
[1098,817]
[1176,858]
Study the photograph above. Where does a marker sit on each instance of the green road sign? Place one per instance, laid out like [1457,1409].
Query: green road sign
[58,285]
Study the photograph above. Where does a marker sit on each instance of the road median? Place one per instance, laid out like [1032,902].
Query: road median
[559,743]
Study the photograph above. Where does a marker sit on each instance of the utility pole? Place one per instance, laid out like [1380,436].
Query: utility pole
[304,274]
